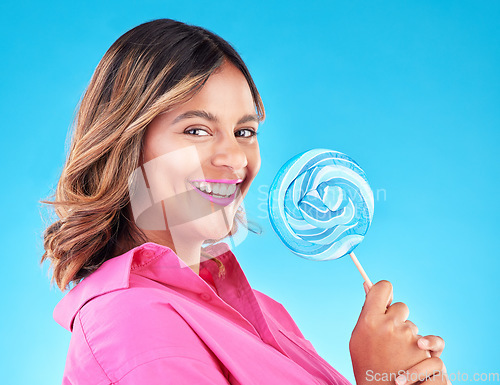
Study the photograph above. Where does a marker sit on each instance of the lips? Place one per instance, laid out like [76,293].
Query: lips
[229,181]
[219,201]
[215,184]
[196,183]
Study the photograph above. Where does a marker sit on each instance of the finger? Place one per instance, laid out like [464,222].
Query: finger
[412,326]
[378,298]
[431,369]
[398,311]
[434,344]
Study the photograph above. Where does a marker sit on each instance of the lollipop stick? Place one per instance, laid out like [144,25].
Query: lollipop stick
[361,270]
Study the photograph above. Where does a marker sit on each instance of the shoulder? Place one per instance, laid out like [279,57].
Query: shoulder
[280,316]
[129,316]
[269,304]
[277,312]
[136,326]
[266,299]
[114,308]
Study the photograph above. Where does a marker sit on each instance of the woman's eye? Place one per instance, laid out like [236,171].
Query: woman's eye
[195,129]
[249,131]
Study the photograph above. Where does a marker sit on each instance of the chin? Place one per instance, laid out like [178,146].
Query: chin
[217,233]
[217,229]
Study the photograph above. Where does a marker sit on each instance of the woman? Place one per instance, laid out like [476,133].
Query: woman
[163,153]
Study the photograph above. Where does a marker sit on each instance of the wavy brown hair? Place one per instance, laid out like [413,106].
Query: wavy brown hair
[150,69]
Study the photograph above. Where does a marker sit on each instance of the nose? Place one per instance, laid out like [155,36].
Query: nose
[228,152]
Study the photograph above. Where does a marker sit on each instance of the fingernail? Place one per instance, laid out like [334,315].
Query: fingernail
[424,343]
[401,380]
[365,286]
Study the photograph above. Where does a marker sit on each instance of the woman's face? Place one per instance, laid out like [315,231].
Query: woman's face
[209,144]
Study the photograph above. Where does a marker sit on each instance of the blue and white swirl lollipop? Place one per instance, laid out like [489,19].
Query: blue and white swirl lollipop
[321,205]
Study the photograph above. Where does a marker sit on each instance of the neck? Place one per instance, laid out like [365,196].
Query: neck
[186,248]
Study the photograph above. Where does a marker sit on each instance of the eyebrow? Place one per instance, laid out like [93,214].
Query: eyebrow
[212,118]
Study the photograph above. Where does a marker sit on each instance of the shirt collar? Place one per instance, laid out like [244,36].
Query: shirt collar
[154,261]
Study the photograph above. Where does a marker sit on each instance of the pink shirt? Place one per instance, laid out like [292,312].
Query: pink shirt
[144,317]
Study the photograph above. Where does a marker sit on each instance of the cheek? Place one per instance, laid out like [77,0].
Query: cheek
[253,168]
[158,141]
[167,173]
[254,161]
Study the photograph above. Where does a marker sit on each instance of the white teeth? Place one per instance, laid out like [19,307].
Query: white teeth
[205,186]
[221,189]
[217,188]
[231,188]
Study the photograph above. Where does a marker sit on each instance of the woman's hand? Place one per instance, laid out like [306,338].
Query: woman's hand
[424,371]
[384,342]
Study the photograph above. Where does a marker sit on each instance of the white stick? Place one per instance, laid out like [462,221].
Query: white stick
[361,270]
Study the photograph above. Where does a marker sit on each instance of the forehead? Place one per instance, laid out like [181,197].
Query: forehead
[225,92]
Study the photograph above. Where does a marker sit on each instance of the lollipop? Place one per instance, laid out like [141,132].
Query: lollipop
[321,206]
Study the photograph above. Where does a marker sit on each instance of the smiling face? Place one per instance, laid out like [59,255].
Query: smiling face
[206,144]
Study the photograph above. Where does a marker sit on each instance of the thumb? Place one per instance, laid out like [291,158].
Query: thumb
[378,298]
[365,286]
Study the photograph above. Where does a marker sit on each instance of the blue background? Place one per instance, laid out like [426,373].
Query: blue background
[408,89]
